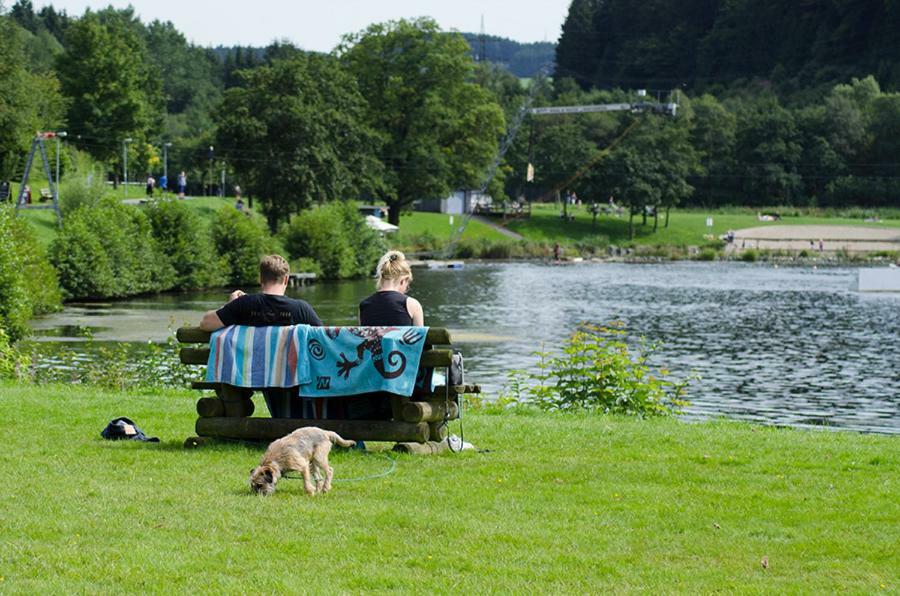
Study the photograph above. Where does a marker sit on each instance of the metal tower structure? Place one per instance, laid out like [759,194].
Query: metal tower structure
[38,144]
[667,109]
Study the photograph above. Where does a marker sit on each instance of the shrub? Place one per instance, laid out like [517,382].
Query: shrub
[306,265]
[108,251]
[749,256]
[28,283]
[592,245]
[75,193]
[707,254]
[184,239]
[337,238]
[240,242]
[13,363]
[598,371]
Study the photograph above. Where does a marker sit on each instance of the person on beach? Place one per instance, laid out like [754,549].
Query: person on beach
[269,307]
[390,305]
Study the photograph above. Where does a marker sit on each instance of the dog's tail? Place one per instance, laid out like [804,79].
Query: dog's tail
[336,439]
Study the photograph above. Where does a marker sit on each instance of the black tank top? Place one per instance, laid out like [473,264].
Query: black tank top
[384,308]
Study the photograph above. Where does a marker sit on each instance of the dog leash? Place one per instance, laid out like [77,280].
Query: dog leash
[387,472]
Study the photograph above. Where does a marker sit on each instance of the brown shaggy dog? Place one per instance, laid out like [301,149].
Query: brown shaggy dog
[304,450]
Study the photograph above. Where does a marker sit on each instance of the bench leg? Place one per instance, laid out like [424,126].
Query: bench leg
[236,401]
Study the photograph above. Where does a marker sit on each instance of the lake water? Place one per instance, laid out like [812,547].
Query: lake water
[790,346]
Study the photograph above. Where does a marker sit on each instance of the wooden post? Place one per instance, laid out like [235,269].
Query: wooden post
[236,401]
[429,411]
[438,431]
[426,448]
[209,407]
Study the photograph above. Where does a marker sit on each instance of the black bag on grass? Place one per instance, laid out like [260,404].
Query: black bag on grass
[124,428]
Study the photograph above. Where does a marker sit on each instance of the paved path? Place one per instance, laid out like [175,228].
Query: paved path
[506,232]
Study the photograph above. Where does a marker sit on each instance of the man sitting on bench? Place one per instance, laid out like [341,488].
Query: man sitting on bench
[270,307]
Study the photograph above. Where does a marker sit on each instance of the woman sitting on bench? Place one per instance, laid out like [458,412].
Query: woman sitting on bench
[390,305]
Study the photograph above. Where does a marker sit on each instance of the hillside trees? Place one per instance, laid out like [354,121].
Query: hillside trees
[28,101]
[114,94]
[440,129]
[295,132]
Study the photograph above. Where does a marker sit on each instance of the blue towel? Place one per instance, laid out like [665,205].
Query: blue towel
[354,360]
[323,361]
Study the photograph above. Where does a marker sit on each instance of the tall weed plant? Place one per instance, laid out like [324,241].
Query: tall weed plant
[596,370]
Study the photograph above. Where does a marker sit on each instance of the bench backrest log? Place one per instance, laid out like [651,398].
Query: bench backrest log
[431,357]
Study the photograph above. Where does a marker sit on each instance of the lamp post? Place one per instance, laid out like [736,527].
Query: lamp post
[166,163]
[60,135]
[209,188]
[125,162]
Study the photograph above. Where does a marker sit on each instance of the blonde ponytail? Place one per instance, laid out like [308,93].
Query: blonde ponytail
[392,266]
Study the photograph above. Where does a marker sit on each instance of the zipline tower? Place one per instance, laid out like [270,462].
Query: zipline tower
[38,143]
[639,107]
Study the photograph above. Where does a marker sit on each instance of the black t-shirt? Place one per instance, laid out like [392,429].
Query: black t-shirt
[384,308]
[261,310]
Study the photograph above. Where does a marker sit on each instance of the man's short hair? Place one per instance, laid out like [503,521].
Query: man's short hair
[273,268]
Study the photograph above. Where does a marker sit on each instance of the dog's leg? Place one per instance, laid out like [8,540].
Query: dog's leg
[307,482]
[318,475]
[320,456]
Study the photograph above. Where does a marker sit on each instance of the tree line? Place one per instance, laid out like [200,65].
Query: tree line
[394,113]
[800,48]
[402,111]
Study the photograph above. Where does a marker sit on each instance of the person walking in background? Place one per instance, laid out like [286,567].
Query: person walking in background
[151,184]
[182,184]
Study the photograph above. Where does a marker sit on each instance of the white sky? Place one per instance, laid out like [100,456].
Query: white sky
[318,25]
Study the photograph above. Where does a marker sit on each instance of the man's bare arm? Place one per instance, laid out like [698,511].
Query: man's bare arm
[211,321]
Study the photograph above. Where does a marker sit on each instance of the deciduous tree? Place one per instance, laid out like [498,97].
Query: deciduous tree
[441,129]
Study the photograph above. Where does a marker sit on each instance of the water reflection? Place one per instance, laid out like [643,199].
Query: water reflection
[787,346]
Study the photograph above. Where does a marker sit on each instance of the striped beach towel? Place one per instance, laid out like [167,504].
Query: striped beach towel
[258,356]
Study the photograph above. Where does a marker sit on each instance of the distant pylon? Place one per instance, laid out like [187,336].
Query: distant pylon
[482,43]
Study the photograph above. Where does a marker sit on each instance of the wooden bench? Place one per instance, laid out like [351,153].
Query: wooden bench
[417,419]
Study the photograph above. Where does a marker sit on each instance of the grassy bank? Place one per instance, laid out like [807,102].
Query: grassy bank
[686,228]
[570,504]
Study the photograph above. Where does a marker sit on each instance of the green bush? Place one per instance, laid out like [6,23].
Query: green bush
[337,238]
[13,364]
[240,242]
[184,239]
[108,251]
[75,193]
[598,371]
[707,254]
[28,283]
[592,245]
[750,256]
[306,265]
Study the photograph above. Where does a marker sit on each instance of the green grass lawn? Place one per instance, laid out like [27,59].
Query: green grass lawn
[560,504]
[438,224]
[685,227]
